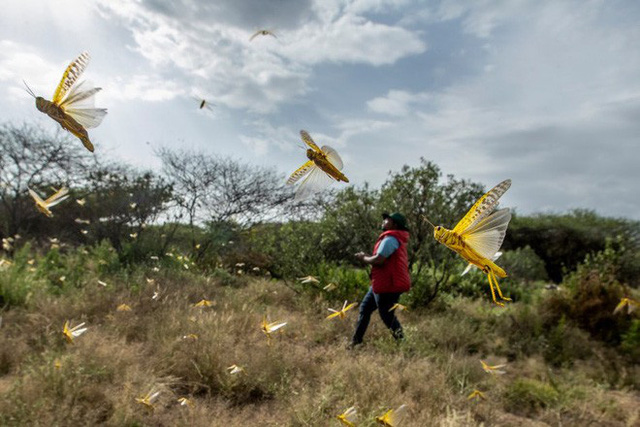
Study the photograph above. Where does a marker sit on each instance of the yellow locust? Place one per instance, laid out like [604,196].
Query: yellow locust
[495,369]
[630,304]
[45,205]
[262,33]
[477,395]
[73,107]
[321,170]
[393,417]
[72,333]
[479,235]
[269,328]
[342,313]
[148,399]
[348,417]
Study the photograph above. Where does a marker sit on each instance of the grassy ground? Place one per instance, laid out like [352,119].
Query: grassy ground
[303,376]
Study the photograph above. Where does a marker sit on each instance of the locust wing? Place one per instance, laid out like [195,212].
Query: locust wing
[317,180]
[487,236]
[309,141]
[482,208]
[80,104]
[332,156]
[70,76]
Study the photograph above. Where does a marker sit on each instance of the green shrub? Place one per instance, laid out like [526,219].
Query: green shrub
[523,264]
[524,331]
[563,240]
[224,278]
[19,282]
[565,344]
[474,284]
[104,256]
[351,283]
[589,297]
[293,248]
[631,340]
[525,396]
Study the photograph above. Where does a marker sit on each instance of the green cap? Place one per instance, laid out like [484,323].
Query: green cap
[398,219]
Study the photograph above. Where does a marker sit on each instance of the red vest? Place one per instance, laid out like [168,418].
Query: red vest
[393,275]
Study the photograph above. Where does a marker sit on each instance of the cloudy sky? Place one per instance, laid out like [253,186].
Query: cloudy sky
[546,93]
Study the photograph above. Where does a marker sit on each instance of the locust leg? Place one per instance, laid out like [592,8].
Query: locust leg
[493,294]
[70,124]
[498,287]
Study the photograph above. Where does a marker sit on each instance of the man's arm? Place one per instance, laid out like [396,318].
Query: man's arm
[387,247]
[371,259]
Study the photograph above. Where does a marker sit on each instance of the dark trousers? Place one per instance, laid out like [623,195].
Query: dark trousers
[382,302]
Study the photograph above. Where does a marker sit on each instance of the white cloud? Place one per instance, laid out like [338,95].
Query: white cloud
[264,135]
[377,6]
[22,62]
[397,102]
[554,106]
[481,17]
[547,93]
[350,128]
[141,87]
[260,75]
[352,39]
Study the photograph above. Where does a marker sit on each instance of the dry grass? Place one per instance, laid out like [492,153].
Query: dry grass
[303,376]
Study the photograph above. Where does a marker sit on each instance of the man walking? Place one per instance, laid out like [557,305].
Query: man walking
[389,276]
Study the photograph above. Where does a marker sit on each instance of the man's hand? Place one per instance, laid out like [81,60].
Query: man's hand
[373,259]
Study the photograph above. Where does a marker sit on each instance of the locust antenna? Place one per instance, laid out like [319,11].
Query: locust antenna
[427,219]
[29,91]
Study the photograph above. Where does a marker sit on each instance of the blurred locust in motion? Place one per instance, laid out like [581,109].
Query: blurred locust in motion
[630,304]
[203,103]
[45,205]
[477,395]
[393,417]
[269,328]
[262,33]
[72,333]
[348,417]
[342,313]
[496,369]
[148,399]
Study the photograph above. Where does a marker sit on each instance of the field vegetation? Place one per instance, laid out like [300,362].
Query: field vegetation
[132,253]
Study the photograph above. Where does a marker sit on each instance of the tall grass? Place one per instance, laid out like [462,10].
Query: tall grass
[303,376]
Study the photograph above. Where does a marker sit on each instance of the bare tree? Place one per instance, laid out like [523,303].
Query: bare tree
[29,157]
[122,201]
[192,175]
[215,189]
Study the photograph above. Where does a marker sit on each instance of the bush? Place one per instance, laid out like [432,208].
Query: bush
[589,297]
[526,396]
[631,340]
[474,284]
[293,248]
[523,264]
[566,344]
[224,278]
[351,283]
[18,281]
[563,240]
[524,331]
